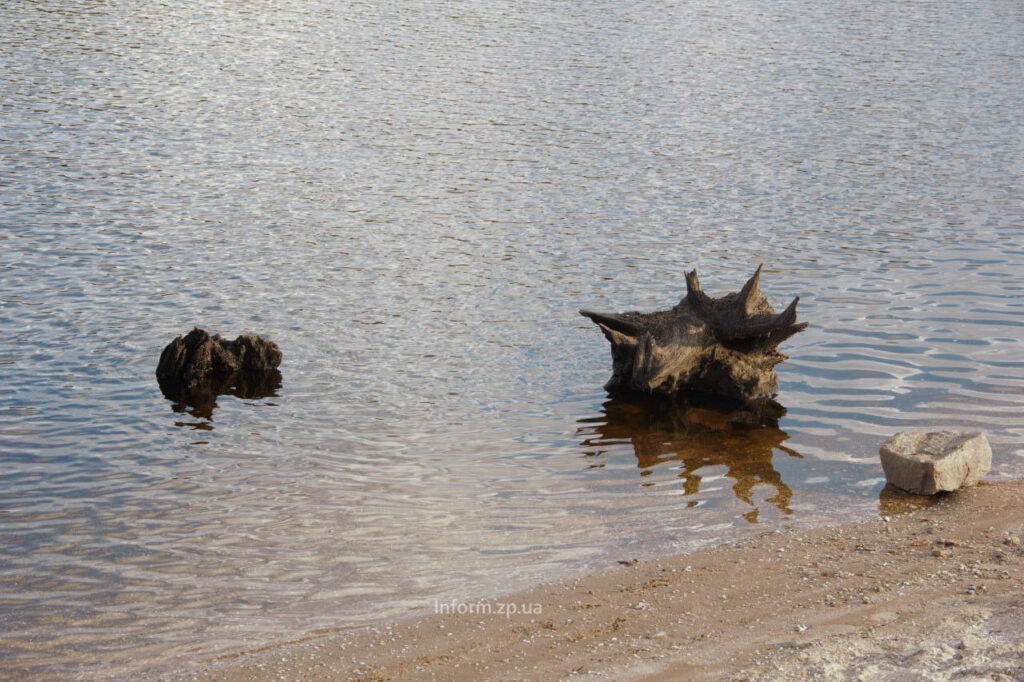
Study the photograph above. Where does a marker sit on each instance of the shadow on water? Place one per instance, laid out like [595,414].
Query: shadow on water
[744,442]
[201,402]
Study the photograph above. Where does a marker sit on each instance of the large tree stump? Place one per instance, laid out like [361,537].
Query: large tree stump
[724,349]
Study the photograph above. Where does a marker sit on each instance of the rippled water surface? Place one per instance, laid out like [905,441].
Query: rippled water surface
[413,200]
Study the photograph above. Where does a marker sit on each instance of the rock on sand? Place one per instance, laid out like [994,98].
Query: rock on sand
[927,463]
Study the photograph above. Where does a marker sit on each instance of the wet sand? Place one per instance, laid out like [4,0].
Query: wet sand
[924,591]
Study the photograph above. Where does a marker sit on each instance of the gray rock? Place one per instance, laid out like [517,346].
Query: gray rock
[927,463]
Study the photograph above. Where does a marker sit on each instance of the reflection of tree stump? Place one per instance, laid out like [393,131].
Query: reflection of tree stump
[194,369]
[741,442]
[723,348]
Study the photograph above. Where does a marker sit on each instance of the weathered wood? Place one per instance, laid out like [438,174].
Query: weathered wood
[197,367]
[723,348]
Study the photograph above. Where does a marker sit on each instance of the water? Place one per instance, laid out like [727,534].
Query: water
[413,200]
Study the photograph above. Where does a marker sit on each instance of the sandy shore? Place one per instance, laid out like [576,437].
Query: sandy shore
[932,592]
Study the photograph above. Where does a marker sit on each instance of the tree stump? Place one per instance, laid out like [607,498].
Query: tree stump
[197,367]
[722,349]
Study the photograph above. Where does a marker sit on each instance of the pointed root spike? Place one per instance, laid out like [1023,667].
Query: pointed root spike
[748,290]
[616,338]
[616,322]
[788,316]
[692,283]
[783,333]
[694,294]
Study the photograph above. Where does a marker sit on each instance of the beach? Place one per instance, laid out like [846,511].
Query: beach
[930,589]
[413,201]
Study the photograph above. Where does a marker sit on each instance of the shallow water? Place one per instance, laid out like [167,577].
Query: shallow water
[413,201]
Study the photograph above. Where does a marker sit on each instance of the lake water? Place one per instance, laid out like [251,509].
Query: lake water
[413,200]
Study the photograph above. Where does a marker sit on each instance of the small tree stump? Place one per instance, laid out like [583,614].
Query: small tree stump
[197,367]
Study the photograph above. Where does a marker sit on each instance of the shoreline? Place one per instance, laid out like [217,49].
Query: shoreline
[933,590]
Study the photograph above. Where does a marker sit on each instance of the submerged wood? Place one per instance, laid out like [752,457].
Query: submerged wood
[197,367]
[723,349]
